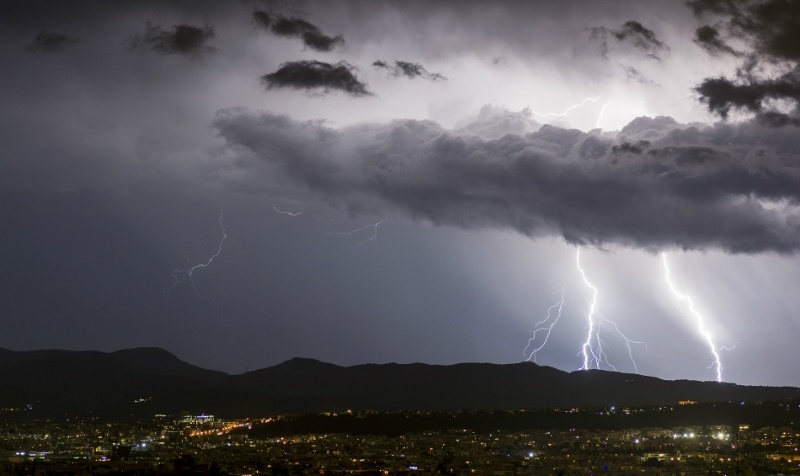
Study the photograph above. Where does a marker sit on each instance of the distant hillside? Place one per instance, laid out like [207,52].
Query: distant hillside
[140,382]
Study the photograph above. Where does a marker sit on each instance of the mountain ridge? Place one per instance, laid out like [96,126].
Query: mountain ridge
[149,380]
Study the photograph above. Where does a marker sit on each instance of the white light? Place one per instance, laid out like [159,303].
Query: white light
[698,318]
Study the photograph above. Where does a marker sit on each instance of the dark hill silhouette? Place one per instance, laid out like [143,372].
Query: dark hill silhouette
[144,381]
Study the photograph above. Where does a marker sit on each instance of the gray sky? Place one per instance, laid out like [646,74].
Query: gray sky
[405,182]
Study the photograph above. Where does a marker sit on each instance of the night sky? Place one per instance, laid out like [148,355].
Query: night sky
[357,182]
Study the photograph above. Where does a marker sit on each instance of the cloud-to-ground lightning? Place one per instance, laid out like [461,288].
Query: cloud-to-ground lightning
[701,328]
[593,349]
[567,110]
[372,237]
[544,327]
[282,212]
[181,275]
[593,352]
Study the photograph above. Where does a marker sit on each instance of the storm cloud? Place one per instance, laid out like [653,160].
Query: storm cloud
[709,38]
[632,33]
[292,27]
[182,40]
[317,75]
[408,69]
[722,94]
[769,31]
[659,185]
[51,42]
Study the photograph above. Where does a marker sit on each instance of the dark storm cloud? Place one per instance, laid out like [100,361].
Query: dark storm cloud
[262,18]
[721,94]
[771,26]
[291,27]
[50,42]
[770,31]
[183,40]
[317,75]
[409,70]
[634,34]
[659,185]
[708,38]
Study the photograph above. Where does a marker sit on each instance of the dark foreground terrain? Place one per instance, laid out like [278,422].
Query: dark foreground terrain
[142,382]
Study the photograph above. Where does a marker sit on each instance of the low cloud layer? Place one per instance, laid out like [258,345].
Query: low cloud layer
[658,185]
[182,40]
[408,69]
[292,27]
[317,76]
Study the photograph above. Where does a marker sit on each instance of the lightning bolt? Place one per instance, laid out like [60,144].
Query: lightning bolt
[600,116]
[373,237]
[566,111]
[291,214]
[181,275]
[593,349]
[545,326]
[698,319]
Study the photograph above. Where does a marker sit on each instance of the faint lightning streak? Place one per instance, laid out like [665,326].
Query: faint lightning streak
[698,318]
[544,327]
[374,236]
[566,111]
[181,275]
[291,214]
[600,116]
[596,356]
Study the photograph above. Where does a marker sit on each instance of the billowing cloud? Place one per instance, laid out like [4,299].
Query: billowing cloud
[492,122]
[409,70]
[632,33]
[292,27]
[183,40]
[769,31]
[51,42]
[657,185]
[317,75]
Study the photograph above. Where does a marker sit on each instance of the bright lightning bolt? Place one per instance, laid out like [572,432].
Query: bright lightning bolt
[593,349]
[697,316]
[544,326]
[566,111]
[373,237]
[587,348]
[291,214]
